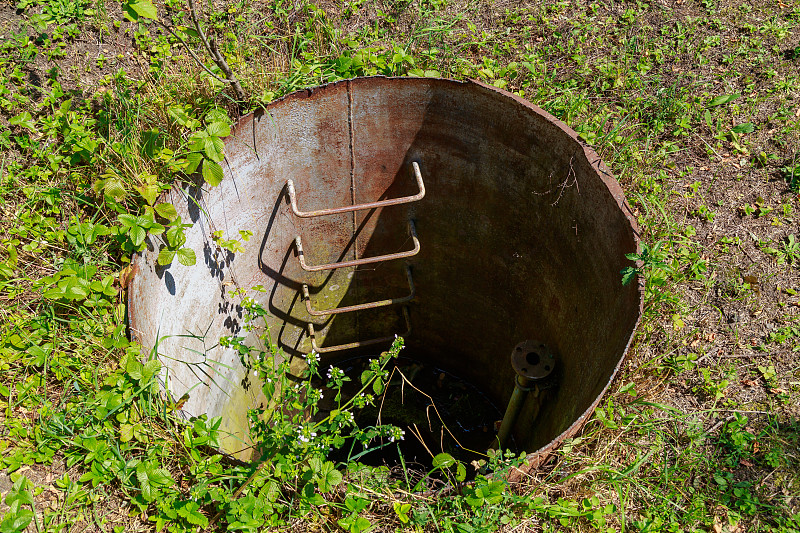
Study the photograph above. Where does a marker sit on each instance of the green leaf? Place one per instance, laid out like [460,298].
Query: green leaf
[145,8]
[114,188]
[148,493]
[461,472]
[443,460]
[23,119]
[150,369]
[747,127]
[218,129]
[125,432]
[723,99]
[167,211]
[56,293]
[176,237]
[134,368]
[187,257]
[149,192]
[191,512]
[628,275]
[193,161]
[165,256]
[18,521]
[214,148]
[137,235]
[160,476]
[361,524]
[212,173]
[127,220]
[329,477]
[402,510]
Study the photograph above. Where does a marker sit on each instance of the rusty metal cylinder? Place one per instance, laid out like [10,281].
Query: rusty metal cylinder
[514,230]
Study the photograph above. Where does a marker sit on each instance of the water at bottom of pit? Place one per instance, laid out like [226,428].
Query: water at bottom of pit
[438,411]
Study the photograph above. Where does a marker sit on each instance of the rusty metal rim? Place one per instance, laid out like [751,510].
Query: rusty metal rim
[536,458]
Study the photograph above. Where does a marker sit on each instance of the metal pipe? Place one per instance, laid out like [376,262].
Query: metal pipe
[358,207]
[522,386]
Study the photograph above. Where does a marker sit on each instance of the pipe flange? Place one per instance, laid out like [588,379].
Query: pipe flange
[533,360]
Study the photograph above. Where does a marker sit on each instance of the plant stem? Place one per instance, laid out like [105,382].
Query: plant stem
[219,59]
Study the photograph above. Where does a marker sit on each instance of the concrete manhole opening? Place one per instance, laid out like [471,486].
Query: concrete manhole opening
[458,216]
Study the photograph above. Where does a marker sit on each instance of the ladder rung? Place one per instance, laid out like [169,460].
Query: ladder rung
[357,262]
[360,307]
[312,334]
[358,207]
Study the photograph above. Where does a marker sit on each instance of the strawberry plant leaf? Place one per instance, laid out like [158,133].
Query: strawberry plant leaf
[165,256]
[212,173]
[167,211]
[218,129]
[193,161]
[187,257]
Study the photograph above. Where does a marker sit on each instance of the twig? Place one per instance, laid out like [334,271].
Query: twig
[744,356]
[716,426]
[219,59]
[711,147]
[194,56]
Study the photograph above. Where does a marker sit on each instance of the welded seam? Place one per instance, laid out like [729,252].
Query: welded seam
[352,165]
[351,135]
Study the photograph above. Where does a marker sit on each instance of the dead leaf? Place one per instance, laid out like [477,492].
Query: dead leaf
[749,383]
[745,462]
[752,280]
[778,391]
[126,275]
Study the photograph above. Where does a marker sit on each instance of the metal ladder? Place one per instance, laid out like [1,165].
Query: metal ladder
[298,243]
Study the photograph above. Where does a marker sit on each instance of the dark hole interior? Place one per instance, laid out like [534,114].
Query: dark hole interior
[438,411]
[532,358]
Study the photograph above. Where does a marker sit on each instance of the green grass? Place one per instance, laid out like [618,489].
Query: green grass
[692,105]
